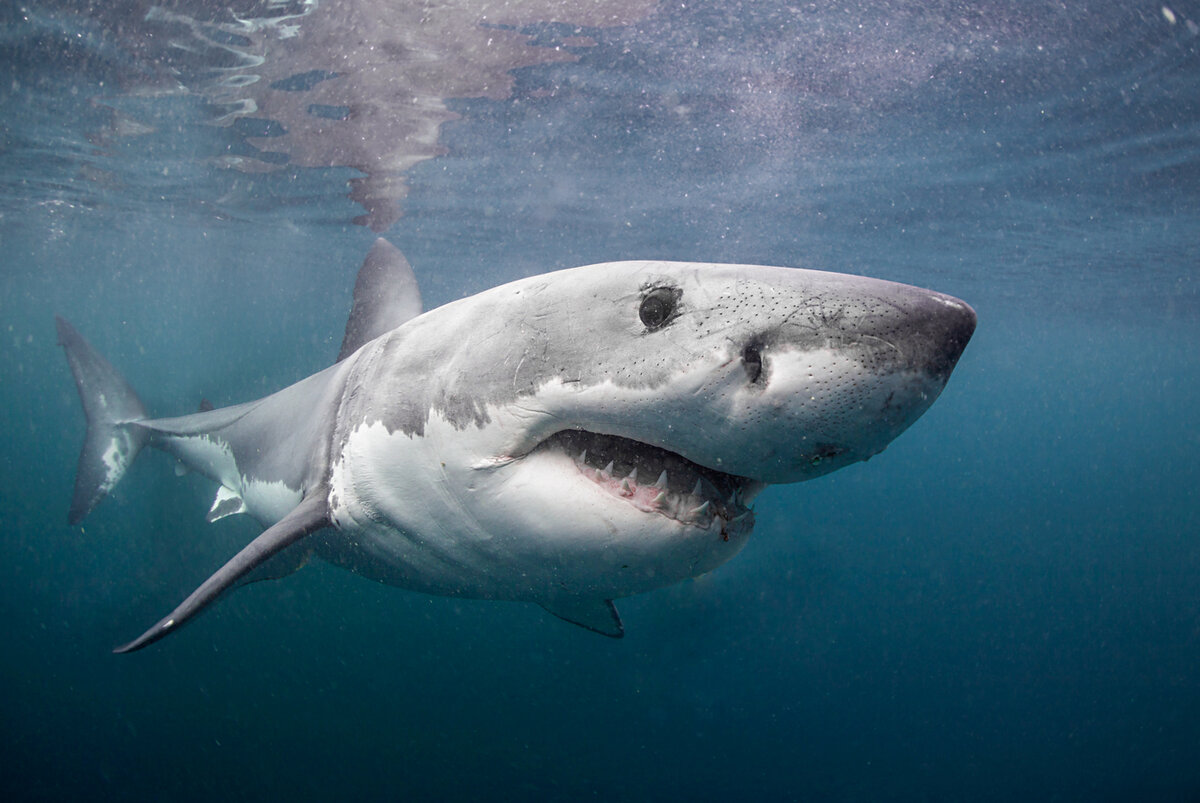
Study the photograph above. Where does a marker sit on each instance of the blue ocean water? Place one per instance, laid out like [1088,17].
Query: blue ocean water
[1004,605]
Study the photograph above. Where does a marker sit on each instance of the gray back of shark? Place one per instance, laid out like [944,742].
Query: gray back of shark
[566,439]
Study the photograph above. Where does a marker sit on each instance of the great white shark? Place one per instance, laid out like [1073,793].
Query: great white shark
[567,439]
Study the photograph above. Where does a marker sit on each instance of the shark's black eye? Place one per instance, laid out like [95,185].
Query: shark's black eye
[658,306]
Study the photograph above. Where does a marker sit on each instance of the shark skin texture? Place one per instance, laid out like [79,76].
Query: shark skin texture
[566,440]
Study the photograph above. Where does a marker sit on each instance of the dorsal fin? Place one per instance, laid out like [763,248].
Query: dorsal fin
[309,516]
[385,296]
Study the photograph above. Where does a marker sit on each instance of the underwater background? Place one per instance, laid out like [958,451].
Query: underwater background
[1003,605]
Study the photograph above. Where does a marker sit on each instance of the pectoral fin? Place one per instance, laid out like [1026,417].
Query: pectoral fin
[310,515]
[598,615]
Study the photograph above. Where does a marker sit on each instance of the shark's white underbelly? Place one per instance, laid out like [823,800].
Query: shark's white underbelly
[419,513]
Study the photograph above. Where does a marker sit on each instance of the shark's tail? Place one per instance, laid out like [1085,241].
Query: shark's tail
[111,407]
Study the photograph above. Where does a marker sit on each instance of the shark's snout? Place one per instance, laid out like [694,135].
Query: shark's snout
[886,328]
[829,369]
[945,324]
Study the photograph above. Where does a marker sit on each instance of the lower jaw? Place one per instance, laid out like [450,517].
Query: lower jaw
[659,482]
[697,510]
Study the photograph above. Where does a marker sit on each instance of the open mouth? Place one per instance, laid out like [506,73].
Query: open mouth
[656,480]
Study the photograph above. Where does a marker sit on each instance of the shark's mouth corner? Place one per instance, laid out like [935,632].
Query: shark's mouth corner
[659,481]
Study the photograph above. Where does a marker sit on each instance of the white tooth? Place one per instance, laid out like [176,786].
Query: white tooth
[599,475]
[608,470]
[662,481]
[697,491]
[742,517]
[662,497]
[700,511]
[633,475]
[583,456]
[625,486]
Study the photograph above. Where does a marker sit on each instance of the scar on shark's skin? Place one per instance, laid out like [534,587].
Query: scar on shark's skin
[485,450]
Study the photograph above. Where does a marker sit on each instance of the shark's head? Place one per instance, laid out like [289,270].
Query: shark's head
[602,430]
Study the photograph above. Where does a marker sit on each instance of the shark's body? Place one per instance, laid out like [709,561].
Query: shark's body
[567,439]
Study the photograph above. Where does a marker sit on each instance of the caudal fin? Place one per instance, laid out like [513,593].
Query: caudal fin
[111,406]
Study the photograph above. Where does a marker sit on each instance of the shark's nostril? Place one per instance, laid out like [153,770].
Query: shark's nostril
[752,361]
